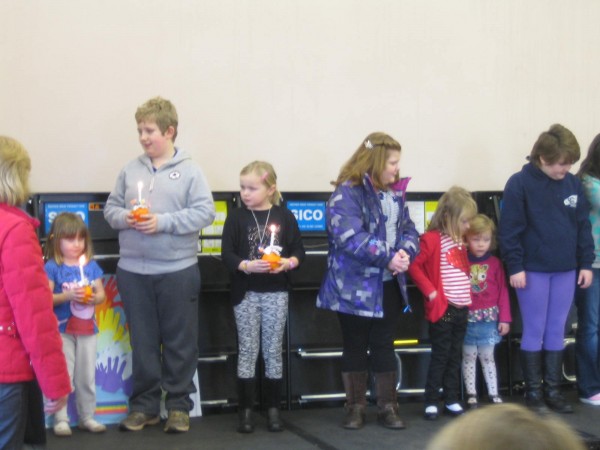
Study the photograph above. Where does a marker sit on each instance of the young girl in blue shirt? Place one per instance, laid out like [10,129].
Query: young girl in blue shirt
[76,284]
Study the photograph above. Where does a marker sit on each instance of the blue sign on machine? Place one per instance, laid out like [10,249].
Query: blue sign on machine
[309,214]
[52,210]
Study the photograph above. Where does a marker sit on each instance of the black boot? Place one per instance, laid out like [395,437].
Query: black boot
[355,385]
[531,363]
[553,376]
[246,395]
[387,400]
[273,400]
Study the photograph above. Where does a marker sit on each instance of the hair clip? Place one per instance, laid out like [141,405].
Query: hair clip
[264,176]
[368,144]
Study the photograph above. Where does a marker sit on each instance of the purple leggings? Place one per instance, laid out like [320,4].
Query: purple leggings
[545,303]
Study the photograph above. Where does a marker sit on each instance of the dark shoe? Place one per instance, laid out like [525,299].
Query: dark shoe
[535,402]
[472,402]
[431,412]
[531,363]
[135,421]
[272,396]
[456,410]
[246,424]
[387,400]
[389,418]
[354,418]
[273,420]
[552,379]
[246,397]
[355,385]
[177,422]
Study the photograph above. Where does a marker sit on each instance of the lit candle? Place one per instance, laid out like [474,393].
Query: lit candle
[140,186]
[272,235]
[81,264]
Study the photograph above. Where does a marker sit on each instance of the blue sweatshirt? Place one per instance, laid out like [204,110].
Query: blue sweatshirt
[544,223]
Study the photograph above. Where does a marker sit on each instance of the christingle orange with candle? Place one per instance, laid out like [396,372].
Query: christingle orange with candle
[88,292]
[140,208]
[272,254]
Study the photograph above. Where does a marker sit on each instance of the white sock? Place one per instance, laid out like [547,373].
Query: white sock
[454,407]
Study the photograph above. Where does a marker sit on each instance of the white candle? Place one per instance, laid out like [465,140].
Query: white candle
[140,186]
[272,235]
[81,264]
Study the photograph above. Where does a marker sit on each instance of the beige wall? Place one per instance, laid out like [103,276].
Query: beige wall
[464,85]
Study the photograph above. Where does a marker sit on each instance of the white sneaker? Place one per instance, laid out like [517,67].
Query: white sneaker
[594,400]
[92,426]
[62,428]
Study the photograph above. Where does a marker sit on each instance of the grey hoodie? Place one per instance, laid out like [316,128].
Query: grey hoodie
[180,197]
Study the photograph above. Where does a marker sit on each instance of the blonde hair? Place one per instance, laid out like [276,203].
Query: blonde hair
[483,224]
[370,158]
[161,111]
[15,166]
[266,173]
[456,204]
[506,426]
[67,226]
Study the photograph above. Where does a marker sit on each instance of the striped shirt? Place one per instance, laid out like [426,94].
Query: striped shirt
[454,268]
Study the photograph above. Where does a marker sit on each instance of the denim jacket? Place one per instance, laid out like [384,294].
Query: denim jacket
[358,250]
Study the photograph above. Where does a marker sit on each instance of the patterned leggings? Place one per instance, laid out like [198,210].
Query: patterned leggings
[488,367]
[266,311]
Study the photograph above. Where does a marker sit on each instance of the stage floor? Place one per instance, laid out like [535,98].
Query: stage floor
[310,427]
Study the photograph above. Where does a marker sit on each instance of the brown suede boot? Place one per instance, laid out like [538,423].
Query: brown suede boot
[355,385]
[387,400]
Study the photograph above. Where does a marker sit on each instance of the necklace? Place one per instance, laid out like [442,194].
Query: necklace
[264,232]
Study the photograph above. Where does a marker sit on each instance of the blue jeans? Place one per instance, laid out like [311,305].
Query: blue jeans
[13,415]
[587,351]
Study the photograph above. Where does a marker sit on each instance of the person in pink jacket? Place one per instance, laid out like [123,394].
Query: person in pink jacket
[30,345]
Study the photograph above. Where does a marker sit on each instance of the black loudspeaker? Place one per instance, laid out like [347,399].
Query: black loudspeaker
[315,350]
[217,340]
[218,380]
[413,364]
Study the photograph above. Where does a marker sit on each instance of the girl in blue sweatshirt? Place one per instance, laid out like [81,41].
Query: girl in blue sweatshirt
[546,243]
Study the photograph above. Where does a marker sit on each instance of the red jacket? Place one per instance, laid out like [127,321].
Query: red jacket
[29,338]
[426,274]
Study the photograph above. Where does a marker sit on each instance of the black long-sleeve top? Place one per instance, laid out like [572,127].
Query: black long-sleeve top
[241,240]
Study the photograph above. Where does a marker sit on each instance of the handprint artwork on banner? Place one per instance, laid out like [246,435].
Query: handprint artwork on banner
[113,364]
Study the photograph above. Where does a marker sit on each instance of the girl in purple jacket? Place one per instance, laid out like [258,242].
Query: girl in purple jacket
[371,243]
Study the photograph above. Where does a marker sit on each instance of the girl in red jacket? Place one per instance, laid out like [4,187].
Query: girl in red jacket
[441,272]
[30,346]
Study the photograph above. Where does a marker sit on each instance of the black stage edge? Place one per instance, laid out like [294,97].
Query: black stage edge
[310,427]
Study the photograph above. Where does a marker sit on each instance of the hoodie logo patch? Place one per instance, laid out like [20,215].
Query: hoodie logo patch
[175,175]
[571,201]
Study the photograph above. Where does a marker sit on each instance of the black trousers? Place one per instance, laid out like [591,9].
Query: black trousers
[447,336]
[362,334]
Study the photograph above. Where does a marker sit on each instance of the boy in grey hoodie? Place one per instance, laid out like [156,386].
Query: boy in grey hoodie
[157,274]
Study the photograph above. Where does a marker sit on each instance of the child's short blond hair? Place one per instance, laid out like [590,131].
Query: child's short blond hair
[483,224]
[161,111]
